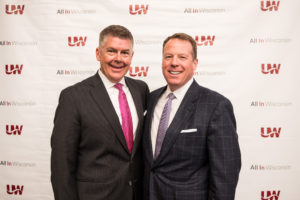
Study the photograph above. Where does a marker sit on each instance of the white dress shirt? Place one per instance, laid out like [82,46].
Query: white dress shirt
[179,94]
[113,94]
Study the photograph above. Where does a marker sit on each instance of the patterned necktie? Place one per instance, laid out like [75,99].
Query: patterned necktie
[163,124]
[126,117]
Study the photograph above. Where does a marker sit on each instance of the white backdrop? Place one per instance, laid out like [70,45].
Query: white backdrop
[247,50]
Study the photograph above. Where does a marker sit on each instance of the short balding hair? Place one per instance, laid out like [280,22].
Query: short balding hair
[115,31]
[186,37]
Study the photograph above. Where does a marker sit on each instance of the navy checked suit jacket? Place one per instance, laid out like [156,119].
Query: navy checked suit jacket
[200,156]
[90,159]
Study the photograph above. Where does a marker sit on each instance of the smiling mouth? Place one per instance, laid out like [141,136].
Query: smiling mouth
[117,67]
[174,73]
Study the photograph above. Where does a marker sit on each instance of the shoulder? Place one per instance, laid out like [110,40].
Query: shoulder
[139,83]
[207,94]
[81,87]
[218,103]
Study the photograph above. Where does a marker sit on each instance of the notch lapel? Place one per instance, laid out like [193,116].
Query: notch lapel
[183,113]
[102,99]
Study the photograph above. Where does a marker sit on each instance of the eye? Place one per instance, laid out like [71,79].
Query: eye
[110,51]
[125,52]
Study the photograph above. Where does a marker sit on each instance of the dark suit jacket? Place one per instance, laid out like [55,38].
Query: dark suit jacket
[200,156]
[90,159]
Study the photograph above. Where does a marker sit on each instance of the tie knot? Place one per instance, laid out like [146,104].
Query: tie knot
[118,86]
[171,96]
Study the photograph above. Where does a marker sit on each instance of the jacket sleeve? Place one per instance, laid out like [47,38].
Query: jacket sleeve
[224,153]
[64,144]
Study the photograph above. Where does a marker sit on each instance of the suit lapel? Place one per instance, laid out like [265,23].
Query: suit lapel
[135,93]
[102,99]
[183,113]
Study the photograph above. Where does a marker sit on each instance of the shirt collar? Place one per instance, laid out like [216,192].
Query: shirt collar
[107,83]
[180,92]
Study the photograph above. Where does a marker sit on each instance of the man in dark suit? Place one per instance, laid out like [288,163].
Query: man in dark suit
[96,140]
[191,148]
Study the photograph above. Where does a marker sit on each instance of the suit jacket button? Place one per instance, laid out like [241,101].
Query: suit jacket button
[130,183]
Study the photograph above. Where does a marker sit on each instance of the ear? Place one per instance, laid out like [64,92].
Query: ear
[98,53]
[195,64]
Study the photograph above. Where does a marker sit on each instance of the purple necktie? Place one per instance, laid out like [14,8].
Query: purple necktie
[163,124]
[126,117]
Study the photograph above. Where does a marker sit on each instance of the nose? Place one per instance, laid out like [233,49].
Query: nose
[118,56]
[174,61]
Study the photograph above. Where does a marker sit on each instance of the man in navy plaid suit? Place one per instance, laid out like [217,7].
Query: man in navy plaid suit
[191,148]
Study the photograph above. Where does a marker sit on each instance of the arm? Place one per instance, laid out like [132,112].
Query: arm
[146,96]
[224,153]
[64,144]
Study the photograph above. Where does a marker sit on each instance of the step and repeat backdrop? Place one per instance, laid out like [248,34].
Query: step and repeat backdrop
[248,50]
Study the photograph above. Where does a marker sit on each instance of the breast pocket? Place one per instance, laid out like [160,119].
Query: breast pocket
[190,143]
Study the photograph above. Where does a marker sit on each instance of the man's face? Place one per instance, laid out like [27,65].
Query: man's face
[178,65]
[115,55]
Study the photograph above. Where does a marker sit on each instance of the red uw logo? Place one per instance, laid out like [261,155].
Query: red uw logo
[14,129]
[14,189]
[138,71]
[270,195]
[13,69]
[270,69]
[205,40]
[269,6]
[270,132]
[14,9]
[138,9]
[76,41]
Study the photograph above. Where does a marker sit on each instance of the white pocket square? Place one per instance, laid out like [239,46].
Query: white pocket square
[145,112]
[189,130]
